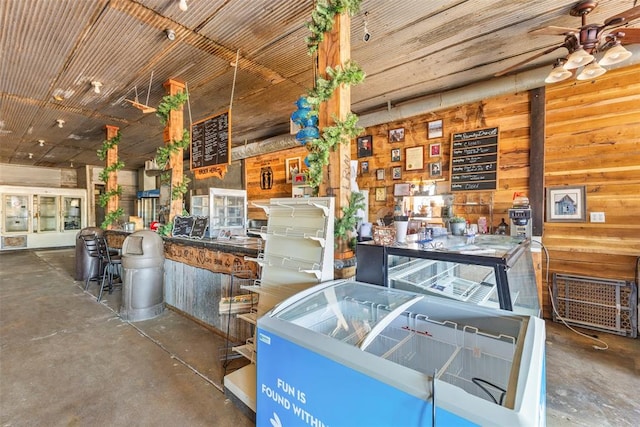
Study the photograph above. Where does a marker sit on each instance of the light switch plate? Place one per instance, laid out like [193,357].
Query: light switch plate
[597,216]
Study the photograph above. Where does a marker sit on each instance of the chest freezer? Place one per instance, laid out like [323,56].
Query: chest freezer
[354,354]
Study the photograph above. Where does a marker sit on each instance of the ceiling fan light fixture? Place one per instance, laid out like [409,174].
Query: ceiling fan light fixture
[615,55]
[591,71]
[577,59]
[559,73]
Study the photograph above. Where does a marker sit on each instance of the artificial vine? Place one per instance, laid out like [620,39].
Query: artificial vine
[103,200]
[170,103]
[322,19]
[349,220]
[163,154]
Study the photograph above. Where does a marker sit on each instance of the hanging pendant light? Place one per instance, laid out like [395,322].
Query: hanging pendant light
[591,71]
[614,55]
[577,59]
[558,73]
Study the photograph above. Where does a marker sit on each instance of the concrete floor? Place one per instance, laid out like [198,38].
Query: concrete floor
[66,360]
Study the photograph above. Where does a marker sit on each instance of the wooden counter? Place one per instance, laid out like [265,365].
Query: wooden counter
[199,274]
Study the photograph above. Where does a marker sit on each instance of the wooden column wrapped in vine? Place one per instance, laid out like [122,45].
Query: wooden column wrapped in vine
[174,131]
[111,197]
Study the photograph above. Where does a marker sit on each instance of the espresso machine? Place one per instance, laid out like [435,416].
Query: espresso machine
[520,216]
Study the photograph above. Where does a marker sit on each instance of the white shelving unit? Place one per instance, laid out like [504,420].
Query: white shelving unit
[298,253]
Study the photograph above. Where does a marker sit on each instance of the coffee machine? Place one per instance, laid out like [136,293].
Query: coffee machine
[520,216]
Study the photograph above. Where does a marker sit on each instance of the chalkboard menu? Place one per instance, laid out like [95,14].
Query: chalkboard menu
[190,226]
[210,141]
[474,160]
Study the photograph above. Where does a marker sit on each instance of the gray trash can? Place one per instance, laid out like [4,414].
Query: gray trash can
[143,276]
[85,267]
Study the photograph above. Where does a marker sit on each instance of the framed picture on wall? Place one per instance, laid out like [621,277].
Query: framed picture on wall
[434,129]
[395,155]
[381,194]
[396,172]
[435,169]
[380,174]
[566,204]
[364,167]
[435,150]
[365,146]
[396,135]
[414,158]
[292,166]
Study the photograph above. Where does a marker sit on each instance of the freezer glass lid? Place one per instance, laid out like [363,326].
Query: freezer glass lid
[346,311]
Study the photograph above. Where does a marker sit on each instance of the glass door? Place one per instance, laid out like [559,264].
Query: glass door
[16,213]
[46,218]
[71,213]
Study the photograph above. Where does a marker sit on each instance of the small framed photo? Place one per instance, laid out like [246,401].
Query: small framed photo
[435,150]
[380,174]
[396,135]
[566,204]
[364,167]
[365,146]
[414,158]
[395,155]
[435,169]
[292,167]
[396,172]
[381,194]
[434,129]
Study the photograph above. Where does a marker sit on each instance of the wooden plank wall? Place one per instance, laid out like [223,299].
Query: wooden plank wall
[593,139]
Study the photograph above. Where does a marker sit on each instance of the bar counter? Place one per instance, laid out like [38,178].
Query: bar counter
[200,273]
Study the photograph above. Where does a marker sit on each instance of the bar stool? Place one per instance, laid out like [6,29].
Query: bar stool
[112,266]
[91,246]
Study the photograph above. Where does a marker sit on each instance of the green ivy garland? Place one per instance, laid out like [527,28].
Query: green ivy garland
[170,103]
[322,19]
[103,200]
[163,154]
[349,220]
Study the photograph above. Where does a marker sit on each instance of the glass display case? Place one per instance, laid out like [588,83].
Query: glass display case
[227,212]
[46,218]
[16,213]
[200,205]
[392,357]
[71,213]
[488,270]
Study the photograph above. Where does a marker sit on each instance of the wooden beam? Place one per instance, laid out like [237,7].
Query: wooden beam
[536,158]
[112,180]
[173,132]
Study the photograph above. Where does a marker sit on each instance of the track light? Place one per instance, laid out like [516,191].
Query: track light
[96,86]
[577,59]
[614,55]
[591,71]
[559,73]
[171,35]
[31,155]
[60,123]
[183,5]
[41,142]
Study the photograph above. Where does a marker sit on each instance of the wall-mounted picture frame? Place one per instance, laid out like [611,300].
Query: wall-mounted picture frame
[381,194]
[292,166]
[395,155]
[380,174]
[566,204]
[434,129]
[396,172]
[435,149]
[365,146]
[435,169]
[364,167]
[396,135]
[414,158]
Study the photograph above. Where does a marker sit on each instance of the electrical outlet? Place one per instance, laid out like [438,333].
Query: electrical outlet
[597,216]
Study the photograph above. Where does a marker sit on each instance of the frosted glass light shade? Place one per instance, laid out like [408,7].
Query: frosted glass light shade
[577,59]
[614,55]
[558,74]
[591,71]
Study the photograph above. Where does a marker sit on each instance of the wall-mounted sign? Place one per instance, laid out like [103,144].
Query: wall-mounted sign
[474,160]
[266,178]
[211,141]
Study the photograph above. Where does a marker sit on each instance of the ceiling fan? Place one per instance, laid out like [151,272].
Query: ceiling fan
[582,43]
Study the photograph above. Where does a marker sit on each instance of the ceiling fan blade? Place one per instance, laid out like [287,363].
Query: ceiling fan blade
[538,55]
[631,35]
[554,31]
[624,17]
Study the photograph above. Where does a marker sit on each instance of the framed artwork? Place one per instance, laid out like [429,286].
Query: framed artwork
[566,204]
[380,174]
[396,172]
[381,194]
[434,129]
[396,135]
[364,167]
[435,169]
[435,150]
[292,166]
[414,158]
[365,146]
[395,155]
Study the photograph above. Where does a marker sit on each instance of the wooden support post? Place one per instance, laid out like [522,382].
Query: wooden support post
[335,50]
[112,180]
[173,132]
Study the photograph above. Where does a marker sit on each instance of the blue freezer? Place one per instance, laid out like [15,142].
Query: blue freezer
[353,354]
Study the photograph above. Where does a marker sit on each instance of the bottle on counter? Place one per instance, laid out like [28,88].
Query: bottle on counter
[502,227]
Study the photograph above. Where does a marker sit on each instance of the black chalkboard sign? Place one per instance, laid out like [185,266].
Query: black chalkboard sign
[200,224]
[211,142]
[474,160]
[182,226]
